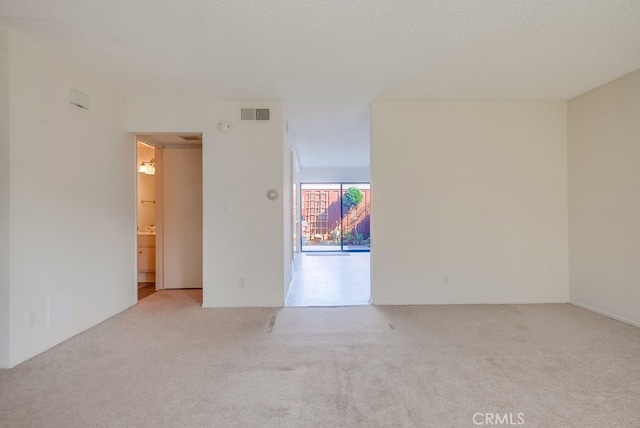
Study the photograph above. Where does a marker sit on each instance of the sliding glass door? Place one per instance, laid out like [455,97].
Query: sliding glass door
[356,209]
[335,216]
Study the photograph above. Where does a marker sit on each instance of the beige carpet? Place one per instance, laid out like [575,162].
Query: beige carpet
[169,363]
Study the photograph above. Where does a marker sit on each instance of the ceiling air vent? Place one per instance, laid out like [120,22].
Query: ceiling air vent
[191,137]
[259,114]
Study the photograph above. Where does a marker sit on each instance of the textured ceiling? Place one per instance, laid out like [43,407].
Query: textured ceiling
[328,59]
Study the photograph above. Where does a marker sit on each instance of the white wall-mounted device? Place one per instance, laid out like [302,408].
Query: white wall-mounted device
[224,125]
[79,99]
[272,194]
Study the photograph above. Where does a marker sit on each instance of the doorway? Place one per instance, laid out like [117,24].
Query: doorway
[146,218]
[333,268]
[169,212]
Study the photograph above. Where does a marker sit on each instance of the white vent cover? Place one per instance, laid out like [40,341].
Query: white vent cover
[79,99]
[260,114]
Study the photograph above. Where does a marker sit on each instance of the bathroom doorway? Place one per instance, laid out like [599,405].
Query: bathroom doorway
[146,221]
[169,212]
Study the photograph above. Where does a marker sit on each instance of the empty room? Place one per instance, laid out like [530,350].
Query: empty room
[477,159]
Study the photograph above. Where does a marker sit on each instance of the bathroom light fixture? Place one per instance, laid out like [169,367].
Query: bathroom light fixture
[148,168]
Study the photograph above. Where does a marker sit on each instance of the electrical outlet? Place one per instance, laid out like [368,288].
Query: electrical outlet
[31,319]
[446,280]
[241,282]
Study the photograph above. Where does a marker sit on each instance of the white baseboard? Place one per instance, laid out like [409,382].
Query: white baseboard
[376,302]
[605,313]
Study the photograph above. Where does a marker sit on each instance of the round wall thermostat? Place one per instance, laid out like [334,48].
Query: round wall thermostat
[224,125]
[272,194]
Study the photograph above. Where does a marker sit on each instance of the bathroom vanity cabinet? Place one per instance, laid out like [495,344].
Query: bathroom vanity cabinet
[146,257]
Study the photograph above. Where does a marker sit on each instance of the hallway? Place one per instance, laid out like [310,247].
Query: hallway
[330,279]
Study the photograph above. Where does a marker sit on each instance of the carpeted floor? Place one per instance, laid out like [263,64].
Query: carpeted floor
[169,363]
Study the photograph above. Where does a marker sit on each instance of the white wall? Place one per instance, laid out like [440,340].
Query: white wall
[4,199]
[604,199]
[470,202]
[243,232]
[334,175]
[72,193]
